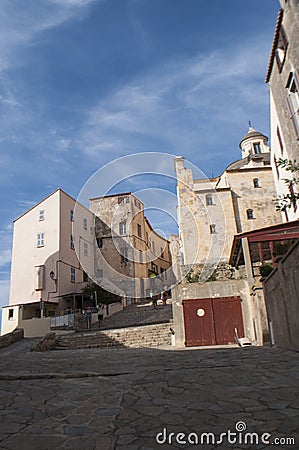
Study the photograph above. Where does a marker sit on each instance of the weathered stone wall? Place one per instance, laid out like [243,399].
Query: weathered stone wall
[282,300]
[278,80]
[10,338]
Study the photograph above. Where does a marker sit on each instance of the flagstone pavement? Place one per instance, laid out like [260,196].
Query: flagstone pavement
[131,399]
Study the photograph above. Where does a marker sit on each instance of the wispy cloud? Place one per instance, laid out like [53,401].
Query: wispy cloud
[176,106]
[4,292]
[5,257]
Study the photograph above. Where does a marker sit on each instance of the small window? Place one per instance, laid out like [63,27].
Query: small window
[124,254]
[212,228]
[276,167]
[123,200]
[41,215]
[139,230]
[256,183]
[153,246]
[279,139]
[73,274]
[281,49]
[10,314]
[162,253]
[100,242]
[293,198]
[249,213]
[40,239]
[257,148]
[85,277]
[85,248]
[71,215]
[122,228]
[209,200]
[72,241]
[85,224]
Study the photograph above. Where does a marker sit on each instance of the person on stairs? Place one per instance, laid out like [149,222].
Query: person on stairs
[100,314]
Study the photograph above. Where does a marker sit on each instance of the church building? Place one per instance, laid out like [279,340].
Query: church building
[212,210]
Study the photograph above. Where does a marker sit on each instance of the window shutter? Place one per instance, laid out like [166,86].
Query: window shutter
[293,117]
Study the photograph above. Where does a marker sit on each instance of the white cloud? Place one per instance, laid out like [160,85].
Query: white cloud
[26,203]
[4,292]
[5,257]
[21,24]
[179,104]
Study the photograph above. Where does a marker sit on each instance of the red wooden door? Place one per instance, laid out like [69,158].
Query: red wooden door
[227,316]
[199,322]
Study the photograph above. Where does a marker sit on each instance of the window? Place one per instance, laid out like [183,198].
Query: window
[40,239]
[100,242]
[138,204]
[71,215]
[153,246]
[85,277]
[162,253]
[85,248]
[122,228]
[72,241]
[279,139]
[85,224]
[139,230]
[10,314]
[41,215]
[124,254]
[292,193]
[281,49]
[209,200]
[73,274]
[257,148]
[155,268]
[293,100]
[123,200]
[140,256]
[212,228]
[256,183]
[249,213]
[276,167]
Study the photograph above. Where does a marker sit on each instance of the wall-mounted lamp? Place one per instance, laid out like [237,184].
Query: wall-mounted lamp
[52,276]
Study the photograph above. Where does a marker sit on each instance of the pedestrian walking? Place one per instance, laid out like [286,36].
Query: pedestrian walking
[164,297]
[100,314]
[155,301]
[88,318]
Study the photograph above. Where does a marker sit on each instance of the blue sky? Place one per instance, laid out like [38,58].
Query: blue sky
[83,82]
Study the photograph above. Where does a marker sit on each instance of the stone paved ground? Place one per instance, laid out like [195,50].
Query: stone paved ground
[121,398]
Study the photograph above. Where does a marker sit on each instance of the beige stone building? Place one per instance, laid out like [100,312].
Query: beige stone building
[212,210]
[283,80]
[49,240]
[131,257]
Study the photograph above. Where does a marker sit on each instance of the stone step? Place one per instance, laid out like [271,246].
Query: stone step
[148,335]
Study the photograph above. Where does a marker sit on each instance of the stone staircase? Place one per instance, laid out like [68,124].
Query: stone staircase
[138,325]
[141,313]
[141,336]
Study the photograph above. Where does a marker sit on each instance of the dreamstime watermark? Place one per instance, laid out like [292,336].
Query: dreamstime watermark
[239,436]
[146,183]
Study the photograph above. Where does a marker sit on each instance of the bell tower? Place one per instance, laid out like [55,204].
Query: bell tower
[254,143]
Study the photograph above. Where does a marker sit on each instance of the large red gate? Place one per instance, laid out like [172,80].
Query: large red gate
[210,321]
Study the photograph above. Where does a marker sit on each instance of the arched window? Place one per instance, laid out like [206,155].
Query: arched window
[249,213]
[256,183]
[209,200]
